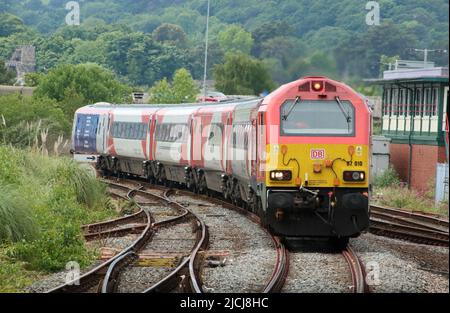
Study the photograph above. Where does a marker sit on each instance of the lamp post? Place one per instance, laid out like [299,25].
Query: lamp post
[206,52]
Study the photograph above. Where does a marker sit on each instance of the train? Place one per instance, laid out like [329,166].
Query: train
[299,158]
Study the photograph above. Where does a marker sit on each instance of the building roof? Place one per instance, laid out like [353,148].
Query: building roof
[431,74]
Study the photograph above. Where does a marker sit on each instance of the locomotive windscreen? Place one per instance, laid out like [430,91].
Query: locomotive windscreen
[317,118]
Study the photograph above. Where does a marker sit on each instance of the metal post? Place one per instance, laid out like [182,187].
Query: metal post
[206,52]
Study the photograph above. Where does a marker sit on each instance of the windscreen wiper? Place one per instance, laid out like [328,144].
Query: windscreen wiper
[347,116]
[286,115]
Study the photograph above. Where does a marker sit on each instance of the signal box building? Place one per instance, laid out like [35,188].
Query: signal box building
[415,118]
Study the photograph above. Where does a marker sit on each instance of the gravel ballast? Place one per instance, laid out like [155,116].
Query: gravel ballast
[396,266]
[316,272]
[247,251]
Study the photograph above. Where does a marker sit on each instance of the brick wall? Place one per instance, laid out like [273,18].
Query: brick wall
[424,159]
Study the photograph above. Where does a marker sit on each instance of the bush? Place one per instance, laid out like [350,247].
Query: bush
[403,198]
[76,85]
[22,119]
[182,89]
[388,178]
[16,222]
[59,196]
[242,74]
[87,189]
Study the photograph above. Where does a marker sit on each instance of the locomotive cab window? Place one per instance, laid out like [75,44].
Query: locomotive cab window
[317,118]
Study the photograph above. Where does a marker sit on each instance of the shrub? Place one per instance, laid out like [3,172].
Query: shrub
[88,190]
[404,198]
[16,222]
[388,178]
[57,196]
[22,119]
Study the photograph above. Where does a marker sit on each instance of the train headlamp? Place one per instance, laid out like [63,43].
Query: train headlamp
[280,175]
[354,176]
[317,86]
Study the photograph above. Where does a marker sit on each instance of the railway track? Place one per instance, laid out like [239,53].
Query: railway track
[192,266]
[185,276]
[112,277]
[412,226]
[104,277]
[317,269]
[133,223]
[91,281]
[357,271]
[279,273]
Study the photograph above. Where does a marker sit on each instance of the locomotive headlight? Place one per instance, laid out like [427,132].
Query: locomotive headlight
[317,86]
[281,175]
[354,176]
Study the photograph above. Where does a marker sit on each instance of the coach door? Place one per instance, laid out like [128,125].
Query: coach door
[101,133]
[261,146]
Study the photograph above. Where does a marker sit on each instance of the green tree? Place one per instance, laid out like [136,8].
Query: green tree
[89,83]
[7,76]
[170,34]
[242,74]
[10,24]
[267,31]
[387,62]
[17,112]
[235,39]
[361,54]
[184,87]
[49,51]
[285,49]
[32,79]
[161,92]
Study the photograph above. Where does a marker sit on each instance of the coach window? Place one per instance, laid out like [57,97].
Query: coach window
[215,135]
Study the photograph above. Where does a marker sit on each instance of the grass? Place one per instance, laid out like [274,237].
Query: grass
[388,192]
[15,217]
[44,201]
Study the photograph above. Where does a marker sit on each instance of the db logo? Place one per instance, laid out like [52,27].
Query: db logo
[317,154]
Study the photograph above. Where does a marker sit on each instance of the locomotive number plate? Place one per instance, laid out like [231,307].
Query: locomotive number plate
[317,154]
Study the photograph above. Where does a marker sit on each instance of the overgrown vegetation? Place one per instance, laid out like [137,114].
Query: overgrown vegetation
[388,178]
[44,202]
[389,192]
